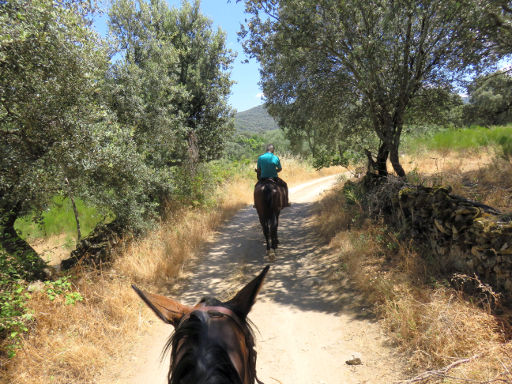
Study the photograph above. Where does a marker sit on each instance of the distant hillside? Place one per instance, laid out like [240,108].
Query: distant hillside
[255,120]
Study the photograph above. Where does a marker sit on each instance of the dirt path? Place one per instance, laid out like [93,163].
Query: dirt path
[309,321]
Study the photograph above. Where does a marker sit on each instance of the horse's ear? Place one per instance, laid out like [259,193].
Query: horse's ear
[245,298]
[167,309]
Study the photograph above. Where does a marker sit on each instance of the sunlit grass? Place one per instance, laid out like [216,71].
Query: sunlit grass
[464,138]
[430,322]
[59,219]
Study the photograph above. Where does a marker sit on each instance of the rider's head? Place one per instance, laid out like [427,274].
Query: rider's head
[270,148]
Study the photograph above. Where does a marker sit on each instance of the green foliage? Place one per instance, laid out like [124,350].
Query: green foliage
[224,170]
[433,106]
[115,137]
[59,218]
[246,147]
[200,189]
[42,117]
[62,288]
[495,20]
[505,143]
[415,136]
[14,315]
[468,138]
[490,100]
[352,193]
[57,135]
[171,84]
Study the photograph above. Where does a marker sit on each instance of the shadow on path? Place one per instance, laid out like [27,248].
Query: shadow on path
[238,253]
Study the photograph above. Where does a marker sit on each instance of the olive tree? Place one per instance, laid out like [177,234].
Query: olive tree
[171,82]
[378,54]
[55,134]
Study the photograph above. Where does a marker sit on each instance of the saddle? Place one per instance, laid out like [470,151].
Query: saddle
[268,180]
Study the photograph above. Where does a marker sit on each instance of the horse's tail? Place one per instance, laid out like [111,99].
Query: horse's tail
[268,196]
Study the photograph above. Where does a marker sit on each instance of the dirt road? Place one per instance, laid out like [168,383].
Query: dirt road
[309,322]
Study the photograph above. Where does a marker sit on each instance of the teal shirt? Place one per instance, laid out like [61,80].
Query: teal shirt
[269,164]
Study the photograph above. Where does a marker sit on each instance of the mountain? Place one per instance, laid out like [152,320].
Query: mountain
[255,120]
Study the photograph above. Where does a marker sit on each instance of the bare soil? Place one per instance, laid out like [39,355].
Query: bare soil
[308,320]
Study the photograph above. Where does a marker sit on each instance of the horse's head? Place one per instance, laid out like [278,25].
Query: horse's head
[212,342]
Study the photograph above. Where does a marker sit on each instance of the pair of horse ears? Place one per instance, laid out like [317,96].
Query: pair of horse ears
[171,311]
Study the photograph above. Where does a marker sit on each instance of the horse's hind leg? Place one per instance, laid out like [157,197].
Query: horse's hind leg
[273,231]
[277,226]
[266,231]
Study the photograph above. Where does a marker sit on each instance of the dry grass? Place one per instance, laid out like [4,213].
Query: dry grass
[71,343]
[428,320]
[160,257]
[478,175]
[296,171]
[75,343]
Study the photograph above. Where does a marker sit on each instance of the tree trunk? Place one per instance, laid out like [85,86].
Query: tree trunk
[395,162]
[14,245]
[380,164]
[193,153]
[75,211]
[382,158]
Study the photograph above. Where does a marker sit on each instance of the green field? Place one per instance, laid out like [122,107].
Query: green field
[465,138]
[59,219]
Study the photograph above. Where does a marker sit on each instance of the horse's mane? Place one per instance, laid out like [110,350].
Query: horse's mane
[203,360]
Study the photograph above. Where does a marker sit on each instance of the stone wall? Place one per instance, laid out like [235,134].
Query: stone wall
[97,247]
[464,236]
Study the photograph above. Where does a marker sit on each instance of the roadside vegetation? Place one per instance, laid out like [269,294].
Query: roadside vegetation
[427,317]
[72,328]
[433,324]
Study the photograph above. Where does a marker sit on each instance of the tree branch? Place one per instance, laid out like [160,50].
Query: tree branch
[441,373]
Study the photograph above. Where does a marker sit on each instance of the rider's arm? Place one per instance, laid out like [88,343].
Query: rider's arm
[278,165]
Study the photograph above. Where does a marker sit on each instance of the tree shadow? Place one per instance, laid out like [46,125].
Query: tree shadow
[297,276]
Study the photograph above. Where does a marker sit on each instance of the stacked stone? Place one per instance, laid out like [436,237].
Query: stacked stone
[96,248]
[466,236]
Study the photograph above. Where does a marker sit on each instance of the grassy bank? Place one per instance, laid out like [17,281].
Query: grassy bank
[432,323]
[75,342]
[59,219]
[481,175]
[473,138]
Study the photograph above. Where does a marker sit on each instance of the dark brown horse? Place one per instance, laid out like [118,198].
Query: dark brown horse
[269,200]
[212,342]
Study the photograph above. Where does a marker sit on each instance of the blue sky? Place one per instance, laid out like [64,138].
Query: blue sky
[246,93]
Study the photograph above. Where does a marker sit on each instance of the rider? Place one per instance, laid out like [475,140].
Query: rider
[268,167]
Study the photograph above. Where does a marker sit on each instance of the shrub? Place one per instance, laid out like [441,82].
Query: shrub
[505,143]
[14,315]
